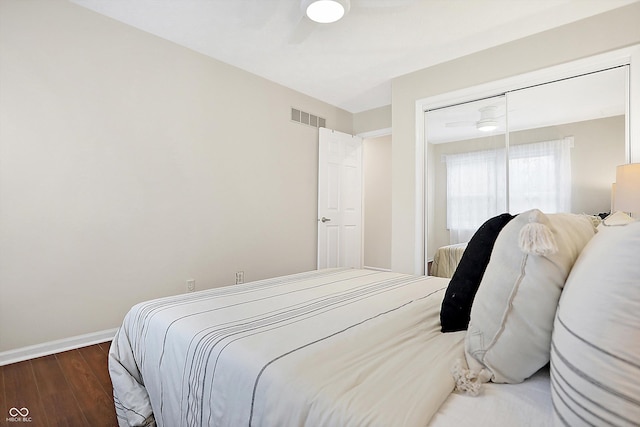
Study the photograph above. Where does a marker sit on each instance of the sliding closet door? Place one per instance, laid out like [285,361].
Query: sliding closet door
[466,174]
[565,140]
[557,143]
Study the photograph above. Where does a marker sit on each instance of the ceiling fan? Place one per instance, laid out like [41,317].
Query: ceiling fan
[322,12]
[488,121]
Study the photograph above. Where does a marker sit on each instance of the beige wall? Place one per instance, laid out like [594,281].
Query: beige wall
[372,120]
[129,164]
[599,146]
[377,202]
[599,34]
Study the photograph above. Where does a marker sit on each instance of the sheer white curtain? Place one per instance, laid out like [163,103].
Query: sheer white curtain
[539,177]
[475,191]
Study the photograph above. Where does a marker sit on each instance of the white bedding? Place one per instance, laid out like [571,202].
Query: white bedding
[334,348]
[527,404]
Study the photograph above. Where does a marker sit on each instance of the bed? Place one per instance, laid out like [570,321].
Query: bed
[367,340]
[446,260]
[328,347]
[347,347]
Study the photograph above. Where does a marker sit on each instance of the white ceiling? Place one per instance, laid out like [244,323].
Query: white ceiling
[350,63]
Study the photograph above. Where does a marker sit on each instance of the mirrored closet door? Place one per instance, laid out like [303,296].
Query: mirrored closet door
[466,173]
[554,147]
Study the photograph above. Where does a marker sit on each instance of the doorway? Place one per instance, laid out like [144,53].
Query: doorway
[342,242]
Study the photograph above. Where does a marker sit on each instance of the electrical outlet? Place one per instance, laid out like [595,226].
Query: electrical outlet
[191,285]
[239,277]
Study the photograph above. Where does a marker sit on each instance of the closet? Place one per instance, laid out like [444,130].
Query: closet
[553,146]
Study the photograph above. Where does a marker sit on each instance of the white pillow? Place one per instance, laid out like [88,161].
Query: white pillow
[595,350]
[616,218]
[512,314]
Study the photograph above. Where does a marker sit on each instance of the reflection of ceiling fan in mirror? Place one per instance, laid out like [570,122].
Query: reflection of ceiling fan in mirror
[488,121]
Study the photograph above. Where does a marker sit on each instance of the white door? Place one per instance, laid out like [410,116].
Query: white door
[339,200]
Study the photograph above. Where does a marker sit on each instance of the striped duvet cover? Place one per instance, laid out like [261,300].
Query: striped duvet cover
[336,347]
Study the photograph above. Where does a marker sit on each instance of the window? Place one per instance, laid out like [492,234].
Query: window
[539,177]
[475,191]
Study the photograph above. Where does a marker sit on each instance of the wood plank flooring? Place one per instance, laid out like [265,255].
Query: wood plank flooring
[71,389]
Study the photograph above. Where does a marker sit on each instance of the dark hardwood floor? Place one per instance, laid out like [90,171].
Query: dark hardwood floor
[72,388]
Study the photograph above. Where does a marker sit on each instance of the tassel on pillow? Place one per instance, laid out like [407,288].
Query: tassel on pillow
[537,238]
[467,380]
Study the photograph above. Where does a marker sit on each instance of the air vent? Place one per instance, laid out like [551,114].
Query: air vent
[308,119]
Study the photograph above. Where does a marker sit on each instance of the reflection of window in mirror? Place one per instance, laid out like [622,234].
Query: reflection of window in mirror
[591,109]
[562,140]
[540,176]
[466,176]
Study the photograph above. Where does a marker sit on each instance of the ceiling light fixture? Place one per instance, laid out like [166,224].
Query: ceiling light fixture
[325,11]
[487,125]
[488,121]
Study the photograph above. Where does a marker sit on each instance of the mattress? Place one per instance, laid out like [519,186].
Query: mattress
[329,347]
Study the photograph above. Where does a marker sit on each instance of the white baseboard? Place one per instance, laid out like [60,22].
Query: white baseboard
[57,346]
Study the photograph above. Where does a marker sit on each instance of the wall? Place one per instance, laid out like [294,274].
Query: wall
[129,164]
[609,31]
[376,124]
[372,120]
[377,202]
[591,175]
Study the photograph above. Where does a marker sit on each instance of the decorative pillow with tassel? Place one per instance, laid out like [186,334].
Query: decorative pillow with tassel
[509,334]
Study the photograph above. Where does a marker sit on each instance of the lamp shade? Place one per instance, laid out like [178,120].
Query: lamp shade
[627,198]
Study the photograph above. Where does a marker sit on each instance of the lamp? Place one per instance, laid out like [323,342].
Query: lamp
[627,197]
[325,11]
[613,197]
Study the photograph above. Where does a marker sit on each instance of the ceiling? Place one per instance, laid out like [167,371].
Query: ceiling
[348,64]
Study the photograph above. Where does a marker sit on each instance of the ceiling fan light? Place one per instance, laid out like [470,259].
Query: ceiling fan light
[488,121]
[487,125]
[325,11]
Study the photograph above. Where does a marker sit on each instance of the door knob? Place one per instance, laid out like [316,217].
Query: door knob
[325,219]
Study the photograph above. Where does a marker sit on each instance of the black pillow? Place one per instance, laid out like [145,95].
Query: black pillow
[456,306]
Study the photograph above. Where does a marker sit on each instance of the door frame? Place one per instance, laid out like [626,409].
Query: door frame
[364,135]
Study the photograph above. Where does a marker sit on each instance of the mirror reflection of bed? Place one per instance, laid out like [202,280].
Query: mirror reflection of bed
[563,141]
